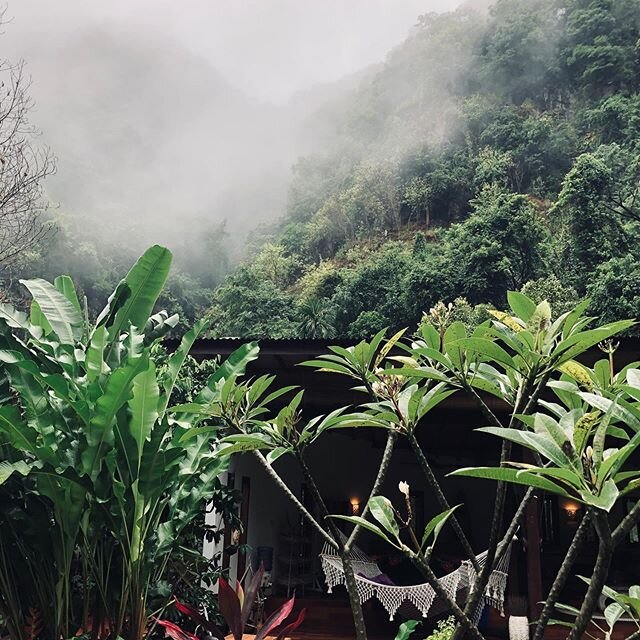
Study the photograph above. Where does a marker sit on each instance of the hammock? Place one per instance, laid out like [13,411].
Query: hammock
[419,599]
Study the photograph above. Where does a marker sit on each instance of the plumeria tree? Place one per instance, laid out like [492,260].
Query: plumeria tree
[580,443]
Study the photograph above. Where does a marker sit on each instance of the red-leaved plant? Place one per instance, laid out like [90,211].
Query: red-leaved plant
[235,607]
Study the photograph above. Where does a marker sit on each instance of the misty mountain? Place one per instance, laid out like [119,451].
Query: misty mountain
[491,151]
[155,137]
[446,172]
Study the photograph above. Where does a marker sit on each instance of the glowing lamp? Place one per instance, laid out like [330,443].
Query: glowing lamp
[355,506]
[572,509]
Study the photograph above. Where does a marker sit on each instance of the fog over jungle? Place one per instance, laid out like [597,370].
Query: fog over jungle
[167,116]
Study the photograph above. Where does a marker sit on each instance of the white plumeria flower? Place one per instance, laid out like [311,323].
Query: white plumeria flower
[404,488]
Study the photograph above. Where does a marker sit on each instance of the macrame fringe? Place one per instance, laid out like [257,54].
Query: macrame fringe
[421,596]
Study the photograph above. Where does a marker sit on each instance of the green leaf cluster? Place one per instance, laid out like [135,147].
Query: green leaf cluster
[89,431]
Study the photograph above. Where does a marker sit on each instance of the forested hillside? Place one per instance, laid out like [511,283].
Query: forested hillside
[490,152]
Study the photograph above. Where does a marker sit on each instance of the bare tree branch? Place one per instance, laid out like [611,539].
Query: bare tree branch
[24,165]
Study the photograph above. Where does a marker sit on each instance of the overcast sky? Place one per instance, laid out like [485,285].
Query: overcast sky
[268,48]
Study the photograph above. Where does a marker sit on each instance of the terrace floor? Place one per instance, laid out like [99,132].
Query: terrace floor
[329,618]
[557,633]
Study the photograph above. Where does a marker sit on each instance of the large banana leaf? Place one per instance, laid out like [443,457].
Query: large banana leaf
[177,360]
[64,284]
[38,318]
[143,406]
[197,486]
[14,318]
[62,316]
[115,302]
[7,469]
[94,359]
[20,435]
[158,461]
[39,382]
[35,405]
[234,365]
[145,281]
[117,393]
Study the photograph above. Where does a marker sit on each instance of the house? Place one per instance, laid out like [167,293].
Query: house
[344,464]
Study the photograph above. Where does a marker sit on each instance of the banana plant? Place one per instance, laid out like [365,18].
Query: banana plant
[87,419]
[27,578]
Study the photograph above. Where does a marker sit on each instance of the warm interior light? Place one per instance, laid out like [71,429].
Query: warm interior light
[355,506]
[572,509]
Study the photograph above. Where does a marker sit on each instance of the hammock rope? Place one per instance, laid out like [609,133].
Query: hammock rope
[420,597]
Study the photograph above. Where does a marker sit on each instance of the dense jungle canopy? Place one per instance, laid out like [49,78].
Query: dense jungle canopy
[495,149]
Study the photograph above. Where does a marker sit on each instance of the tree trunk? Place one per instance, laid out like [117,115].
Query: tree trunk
[349,576]
[628,522]
[526,403]
[354,598]
[442,500]
[563,574]
[482,579]
[460,616]
[598,577]
[377,485]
